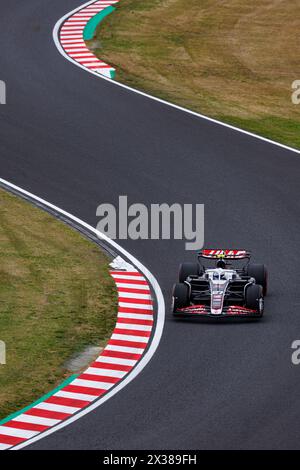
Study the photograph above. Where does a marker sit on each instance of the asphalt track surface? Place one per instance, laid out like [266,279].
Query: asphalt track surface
[78,141]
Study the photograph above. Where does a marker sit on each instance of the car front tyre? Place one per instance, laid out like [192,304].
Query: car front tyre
[180,296]
[260,274]
[188,269]
[255,299]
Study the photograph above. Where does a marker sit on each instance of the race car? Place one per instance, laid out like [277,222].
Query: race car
[223,290]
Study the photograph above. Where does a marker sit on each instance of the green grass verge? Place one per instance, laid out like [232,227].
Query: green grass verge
[56,298]
[231,60]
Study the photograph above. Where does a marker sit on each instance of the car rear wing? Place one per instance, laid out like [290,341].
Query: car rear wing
[224,254]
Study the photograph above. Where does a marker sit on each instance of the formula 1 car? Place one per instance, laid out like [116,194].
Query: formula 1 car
[220,291]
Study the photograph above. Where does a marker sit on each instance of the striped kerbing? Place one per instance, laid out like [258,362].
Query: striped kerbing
[71,38]
[124,350]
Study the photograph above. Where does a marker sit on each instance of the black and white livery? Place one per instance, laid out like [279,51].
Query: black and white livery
[223,290]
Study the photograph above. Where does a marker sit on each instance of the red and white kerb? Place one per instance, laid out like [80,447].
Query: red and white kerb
[71,38]
[124,350]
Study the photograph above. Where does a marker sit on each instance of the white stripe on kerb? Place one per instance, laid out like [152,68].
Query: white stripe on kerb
[72,41]
[88,60]
[88,63]
[82,54]
[71,36]
[74,395]
[60,408]
[134,295]
[74,49]
[131,278]
[133,305]
[7,431]
[74,28]
[76,22]
[130,326]
[5,446]
[113,347]
[105,372]
[137,316]
[36,420]
[136,339]
[141,287]
[116,360]
[92,384]
[148,313]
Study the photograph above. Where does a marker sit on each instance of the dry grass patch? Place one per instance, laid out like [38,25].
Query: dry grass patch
[230,59]
[56,298]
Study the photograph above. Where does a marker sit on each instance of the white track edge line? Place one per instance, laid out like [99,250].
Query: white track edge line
[158,326]
[146,95]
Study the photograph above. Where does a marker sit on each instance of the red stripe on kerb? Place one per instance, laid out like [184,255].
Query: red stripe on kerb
[121,355]
[135,301]
[26,426]
[120,331]
[47,413]
[98,66]
[104,365]
[99,378]
[67,401]
[130,281]
[87,390]
[128,344]
[126,273]
[11,439]
[134,321]
[135,310]
[133,291]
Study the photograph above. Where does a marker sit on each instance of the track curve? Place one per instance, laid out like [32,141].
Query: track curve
[134,340]
[79,141]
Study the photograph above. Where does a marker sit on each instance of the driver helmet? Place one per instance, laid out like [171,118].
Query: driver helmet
[221,264]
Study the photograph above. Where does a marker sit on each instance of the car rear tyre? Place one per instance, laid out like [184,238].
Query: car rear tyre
[254,298]
[260,274]
[180,296]
[188,269]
